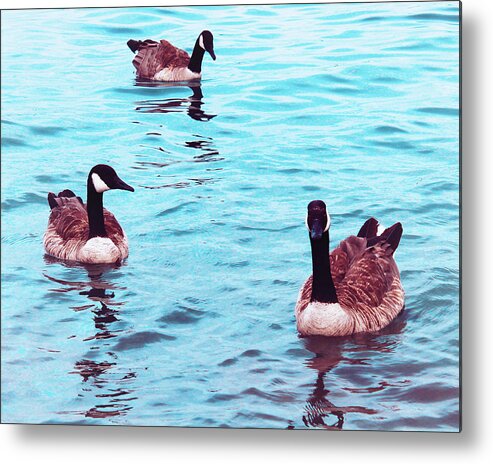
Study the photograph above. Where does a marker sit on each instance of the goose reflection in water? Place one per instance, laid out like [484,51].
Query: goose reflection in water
[206,153]
[192,104]
[319,411]
[206,146]
[110,387]
[109,383]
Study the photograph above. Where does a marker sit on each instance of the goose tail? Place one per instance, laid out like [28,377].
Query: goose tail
[393,235]
[369,228]
[62,198]
[134,45]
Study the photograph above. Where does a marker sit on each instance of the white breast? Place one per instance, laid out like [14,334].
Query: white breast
[323,319]
[99,250]
[176,74]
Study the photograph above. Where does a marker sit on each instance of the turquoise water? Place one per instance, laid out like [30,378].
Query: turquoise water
[353,104]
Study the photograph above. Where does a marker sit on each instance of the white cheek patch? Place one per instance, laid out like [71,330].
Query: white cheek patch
[201,42]
[328,223]
[326,227]
[99,184]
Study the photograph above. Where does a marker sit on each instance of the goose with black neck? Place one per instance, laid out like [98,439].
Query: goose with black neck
[354,289]
[87,233]
[162,61]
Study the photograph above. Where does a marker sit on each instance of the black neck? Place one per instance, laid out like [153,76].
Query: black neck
[195,64]
[95,211]
[323,289]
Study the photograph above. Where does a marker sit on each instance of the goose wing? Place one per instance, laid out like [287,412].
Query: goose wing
[350,249]
[371,291]
[304,296]
[114,230]
[68,228]
[69,219]
[341,259]
[154,56]
[344,255]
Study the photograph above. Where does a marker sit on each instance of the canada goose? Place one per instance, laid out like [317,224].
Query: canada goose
[87,233]
[357,287]
[162,61]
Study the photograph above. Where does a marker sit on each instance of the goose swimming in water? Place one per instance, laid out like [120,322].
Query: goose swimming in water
[87,233]
[162,61]
[357,287]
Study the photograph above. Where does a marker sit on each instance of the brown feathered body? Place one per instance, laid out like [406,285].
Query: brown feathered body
[162,61]
[368,287]
[67,235]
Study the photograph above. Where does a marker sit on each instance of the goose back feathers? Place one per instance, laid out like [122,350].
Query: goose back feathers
[152,57]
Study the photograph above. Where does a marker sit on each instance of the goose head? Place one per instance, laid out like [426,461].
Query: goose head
[103,177]
[317,219]
[206,42]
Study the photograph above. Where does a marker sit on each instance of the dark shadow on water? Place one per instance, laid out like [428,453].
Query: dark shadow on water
[207,153]
[206,146]
[104,382]
[319,411]
[96,287]
[191,105]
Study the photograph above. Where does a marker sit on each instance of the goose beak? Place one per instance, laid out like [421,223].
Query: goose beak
[119,184]
[316,230]
[211,52]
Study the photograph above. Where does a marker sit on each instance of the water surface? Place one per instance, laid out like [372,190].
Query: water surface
[353,104]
